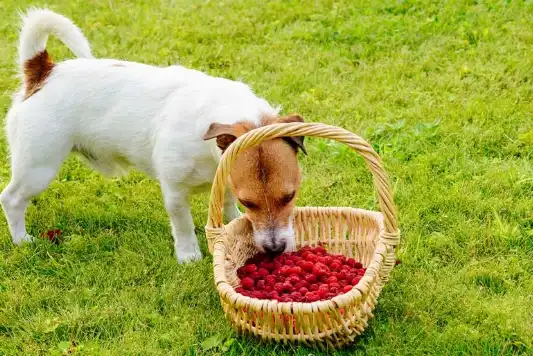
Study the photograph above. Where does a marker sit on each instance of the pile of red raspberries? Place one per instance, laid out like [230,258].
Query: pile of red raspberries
[308,275]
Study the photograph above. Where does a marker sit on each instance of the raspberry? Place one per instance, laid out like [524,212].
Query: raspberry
[278,287]
[273,295]
[322,260]
[350,262]
[328,260]
[285,271]
[257,295]
[289,263]
[312,297]
[313,287]
[297,297]
[250,268]
[287,287]
[335,266]
[341,275]
[334,285]
[307,266]
[323,279]
[296,270]
[295,259]
[350,276]
[323,290]
[303,291]
[263,272]
[270,279]
[345,268]
[52,236]
[320,269]
[247,283]
[331,279]
[260,285]
[269,288]
[263,264]
[320,250]
[356,280]
[285,299]
[347,288]
[311,258]
[293,279]
[310,278]
[239,290]
[305,249]
[254,275]
[299,285]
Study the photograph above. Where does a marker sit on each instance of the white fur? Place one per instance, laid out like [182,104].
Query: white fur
[120,115]
[278,239]
[38,24]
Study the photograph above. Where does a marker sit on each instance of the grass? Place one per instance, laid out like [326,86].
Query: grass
[443,90]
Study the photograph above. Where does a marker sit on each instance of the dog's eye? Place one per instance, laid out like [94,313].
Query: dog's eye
[287,198]
[248,204]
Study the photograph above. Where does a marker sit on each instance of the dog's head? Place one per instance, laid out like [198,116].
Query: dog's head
[265,179]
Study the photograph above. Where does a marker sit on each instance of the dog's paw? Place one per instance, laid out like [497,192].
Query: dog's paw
[189,254]
[19,240]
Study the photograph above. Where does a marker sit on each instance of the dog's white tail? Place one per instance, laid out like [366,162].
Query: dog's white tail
[38,24]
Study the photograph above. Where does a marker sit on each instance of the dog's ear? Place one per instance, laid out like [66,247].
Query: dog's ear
[225,134]
[297,142]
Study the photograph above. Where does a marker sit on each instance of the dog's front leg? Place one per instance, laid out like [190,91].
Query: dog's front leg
[177,205]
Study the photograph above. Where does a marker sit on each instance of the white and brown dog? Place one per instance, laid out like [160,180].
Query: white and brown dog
[119,114]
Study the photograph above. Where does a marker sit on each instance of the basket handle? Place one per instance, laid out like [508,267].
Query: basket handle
[390,234]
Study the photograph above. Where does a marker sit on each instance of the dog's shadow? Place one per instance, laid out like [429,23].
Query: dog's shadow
[146,232]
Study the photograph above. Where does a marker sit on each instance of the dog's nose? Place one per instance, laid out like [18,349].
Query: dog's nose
[276,248]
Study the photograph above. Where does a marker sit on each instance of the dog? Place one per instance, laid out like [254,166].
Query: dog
[171,123]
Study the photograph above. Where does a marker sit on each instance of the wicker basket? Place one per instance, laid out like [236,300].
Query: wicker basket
[367,236]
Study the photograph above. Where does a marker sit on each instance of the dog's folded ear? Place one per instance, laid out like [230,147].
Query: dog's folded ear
[297,142]
[225,134]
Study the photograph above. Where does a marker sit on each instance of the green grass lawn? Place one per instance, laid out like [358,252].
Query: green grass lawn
[444,92]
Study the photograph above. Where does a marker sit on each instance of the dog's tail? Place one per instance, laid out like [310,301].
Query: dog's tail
[37,25]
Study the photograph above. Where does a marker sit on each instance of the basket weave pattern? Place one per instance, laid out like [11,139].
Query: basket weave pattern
[368,236]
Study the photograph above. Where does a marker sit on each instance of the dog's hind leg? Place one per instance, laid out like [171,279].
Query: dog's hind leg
[34,164]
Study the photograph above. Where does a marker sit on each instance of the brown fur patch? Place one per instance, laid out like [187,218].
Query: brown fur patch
[226,134]
[261,178]
[264,178]
[36,70]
